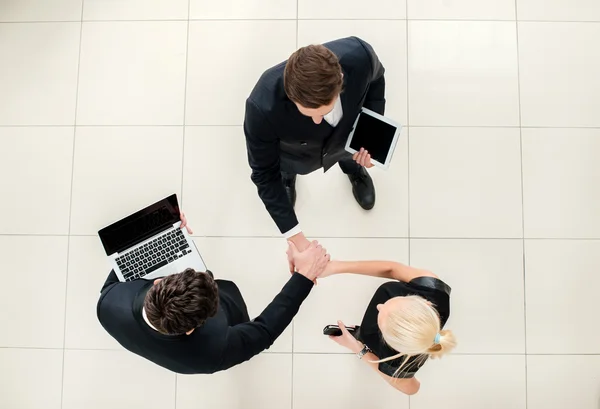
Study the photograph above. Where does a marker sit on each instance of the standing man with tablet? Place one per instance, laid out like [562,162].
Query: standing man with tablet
[298,119]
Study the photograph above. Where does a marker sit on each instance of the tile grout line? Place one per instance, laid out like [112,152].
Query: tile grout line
[317,353]
[522,205]
[293,321]
[332,237]
[62,382]
[408,141]
[304,19]
[187,47]
[187,58]
[241,125]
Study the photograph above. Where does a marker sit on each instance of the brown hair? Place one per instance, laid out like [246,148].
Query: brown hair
[313,76]
[181,302]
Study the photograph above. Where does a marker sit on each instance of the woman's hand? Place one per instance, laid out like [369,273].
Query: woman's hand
[331,269]
[347,340]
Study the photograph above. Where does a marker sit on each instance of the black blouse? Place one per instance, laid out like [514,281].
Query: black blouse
[432,289]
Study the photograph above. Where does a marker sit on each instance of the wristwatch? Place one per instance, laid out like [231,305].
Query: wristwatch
[363,352]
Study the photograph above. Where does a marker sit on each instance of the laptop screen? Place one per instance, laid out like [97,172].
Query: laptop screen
[140,226]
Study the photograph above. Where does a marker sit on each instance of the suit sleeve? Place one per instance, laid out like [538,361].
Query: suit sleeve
[246,340]
[375,99]
[110,281]
[263,156]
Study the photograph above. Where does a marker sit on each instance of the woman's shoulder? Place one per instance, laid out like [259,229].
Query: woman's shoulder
[430,283]
[418,284]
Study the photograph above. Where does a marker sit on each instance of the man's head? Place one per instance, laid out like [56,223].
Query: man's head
[313,80]
[179,303]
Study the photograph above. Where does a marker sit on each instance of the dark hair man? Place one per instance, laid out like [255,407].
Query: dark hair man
[298,118]
[191,323]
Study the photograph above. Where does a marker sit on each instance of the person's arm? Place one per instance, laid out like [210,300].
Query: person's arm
[263,157]
[110,280]
[249,339]
[384,269]
[410,386]
[375,98]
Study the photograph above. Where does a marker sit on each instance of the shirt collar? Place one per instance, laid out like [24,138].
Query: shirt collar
[147,320]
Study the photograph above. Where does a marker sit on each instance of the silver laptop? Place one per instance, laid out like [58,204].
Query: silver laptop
[150,243]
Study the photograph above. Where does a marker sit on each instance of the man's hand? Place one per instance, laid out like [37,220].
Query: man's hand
[363,158]
[311,262]
[184,223]
[301,243]
[347,340]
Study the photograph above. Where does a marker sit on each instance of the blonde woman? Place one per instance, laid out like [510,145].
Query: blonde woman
[403,324]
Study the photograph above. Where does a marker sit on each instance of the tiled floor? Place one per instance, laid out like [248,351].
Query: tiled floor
[107,105]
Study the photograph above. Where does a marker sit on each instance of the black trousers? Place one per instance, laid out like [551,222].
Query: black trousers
[348,166]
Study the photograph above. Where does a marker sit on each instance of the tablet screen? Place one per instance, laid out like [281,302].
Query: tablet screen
[374,135]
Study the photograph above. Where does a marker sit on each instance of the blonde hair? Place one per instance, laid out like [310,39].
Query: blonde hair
[413,330]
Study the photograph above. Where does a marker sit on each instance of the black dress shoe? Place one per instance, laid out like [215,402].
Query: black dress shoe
[363,188]
[290,189]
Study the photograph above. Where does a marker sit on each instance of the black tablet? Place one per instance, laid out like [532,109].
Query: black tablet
[377,134]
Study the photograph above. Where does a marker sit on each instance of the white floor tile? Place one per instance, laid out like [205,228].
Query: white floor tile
[461,9]
[35,180]
[344,297]
[560,181]
[265,382]
[135,10]
[132,73]
[576,388]
[38,76]
[388,39]
[30,378]
[486,277]
[242,260]
[215,96]
[133,76]
[560,289]
[119,379]
[472,382]
[219,197]
[559,10]
[351,9]
[32,295]
[326,206]
[120,170]
[465,182]
[565,92]
[463,73]
[41,10]
[243,9]
[341,381]
[88,269]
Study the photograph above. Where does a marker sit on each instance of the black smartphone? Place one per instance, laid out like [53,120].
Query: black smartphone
[335,330]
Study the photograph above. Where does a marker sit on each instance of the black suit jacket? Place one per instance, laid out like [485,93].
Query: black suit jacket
[227,339]
[279,138]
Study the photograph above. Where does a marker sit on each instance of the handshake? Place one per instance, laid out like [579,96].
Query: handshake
[312,263]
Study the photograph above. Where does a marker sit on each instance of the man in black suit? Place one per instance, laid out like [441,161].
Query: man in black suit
[191,323]
[298,118]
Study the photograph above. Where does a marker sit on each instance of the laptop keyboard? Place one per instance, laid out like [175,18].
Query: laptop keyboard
[153,255]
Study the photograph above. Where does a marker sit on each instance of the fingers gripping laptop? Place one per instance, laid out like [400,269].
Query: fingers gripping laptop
[150,243]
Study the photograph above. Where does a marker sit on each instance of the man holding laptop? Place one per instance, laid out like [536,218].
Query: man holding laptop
[162,303]
[299,118]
